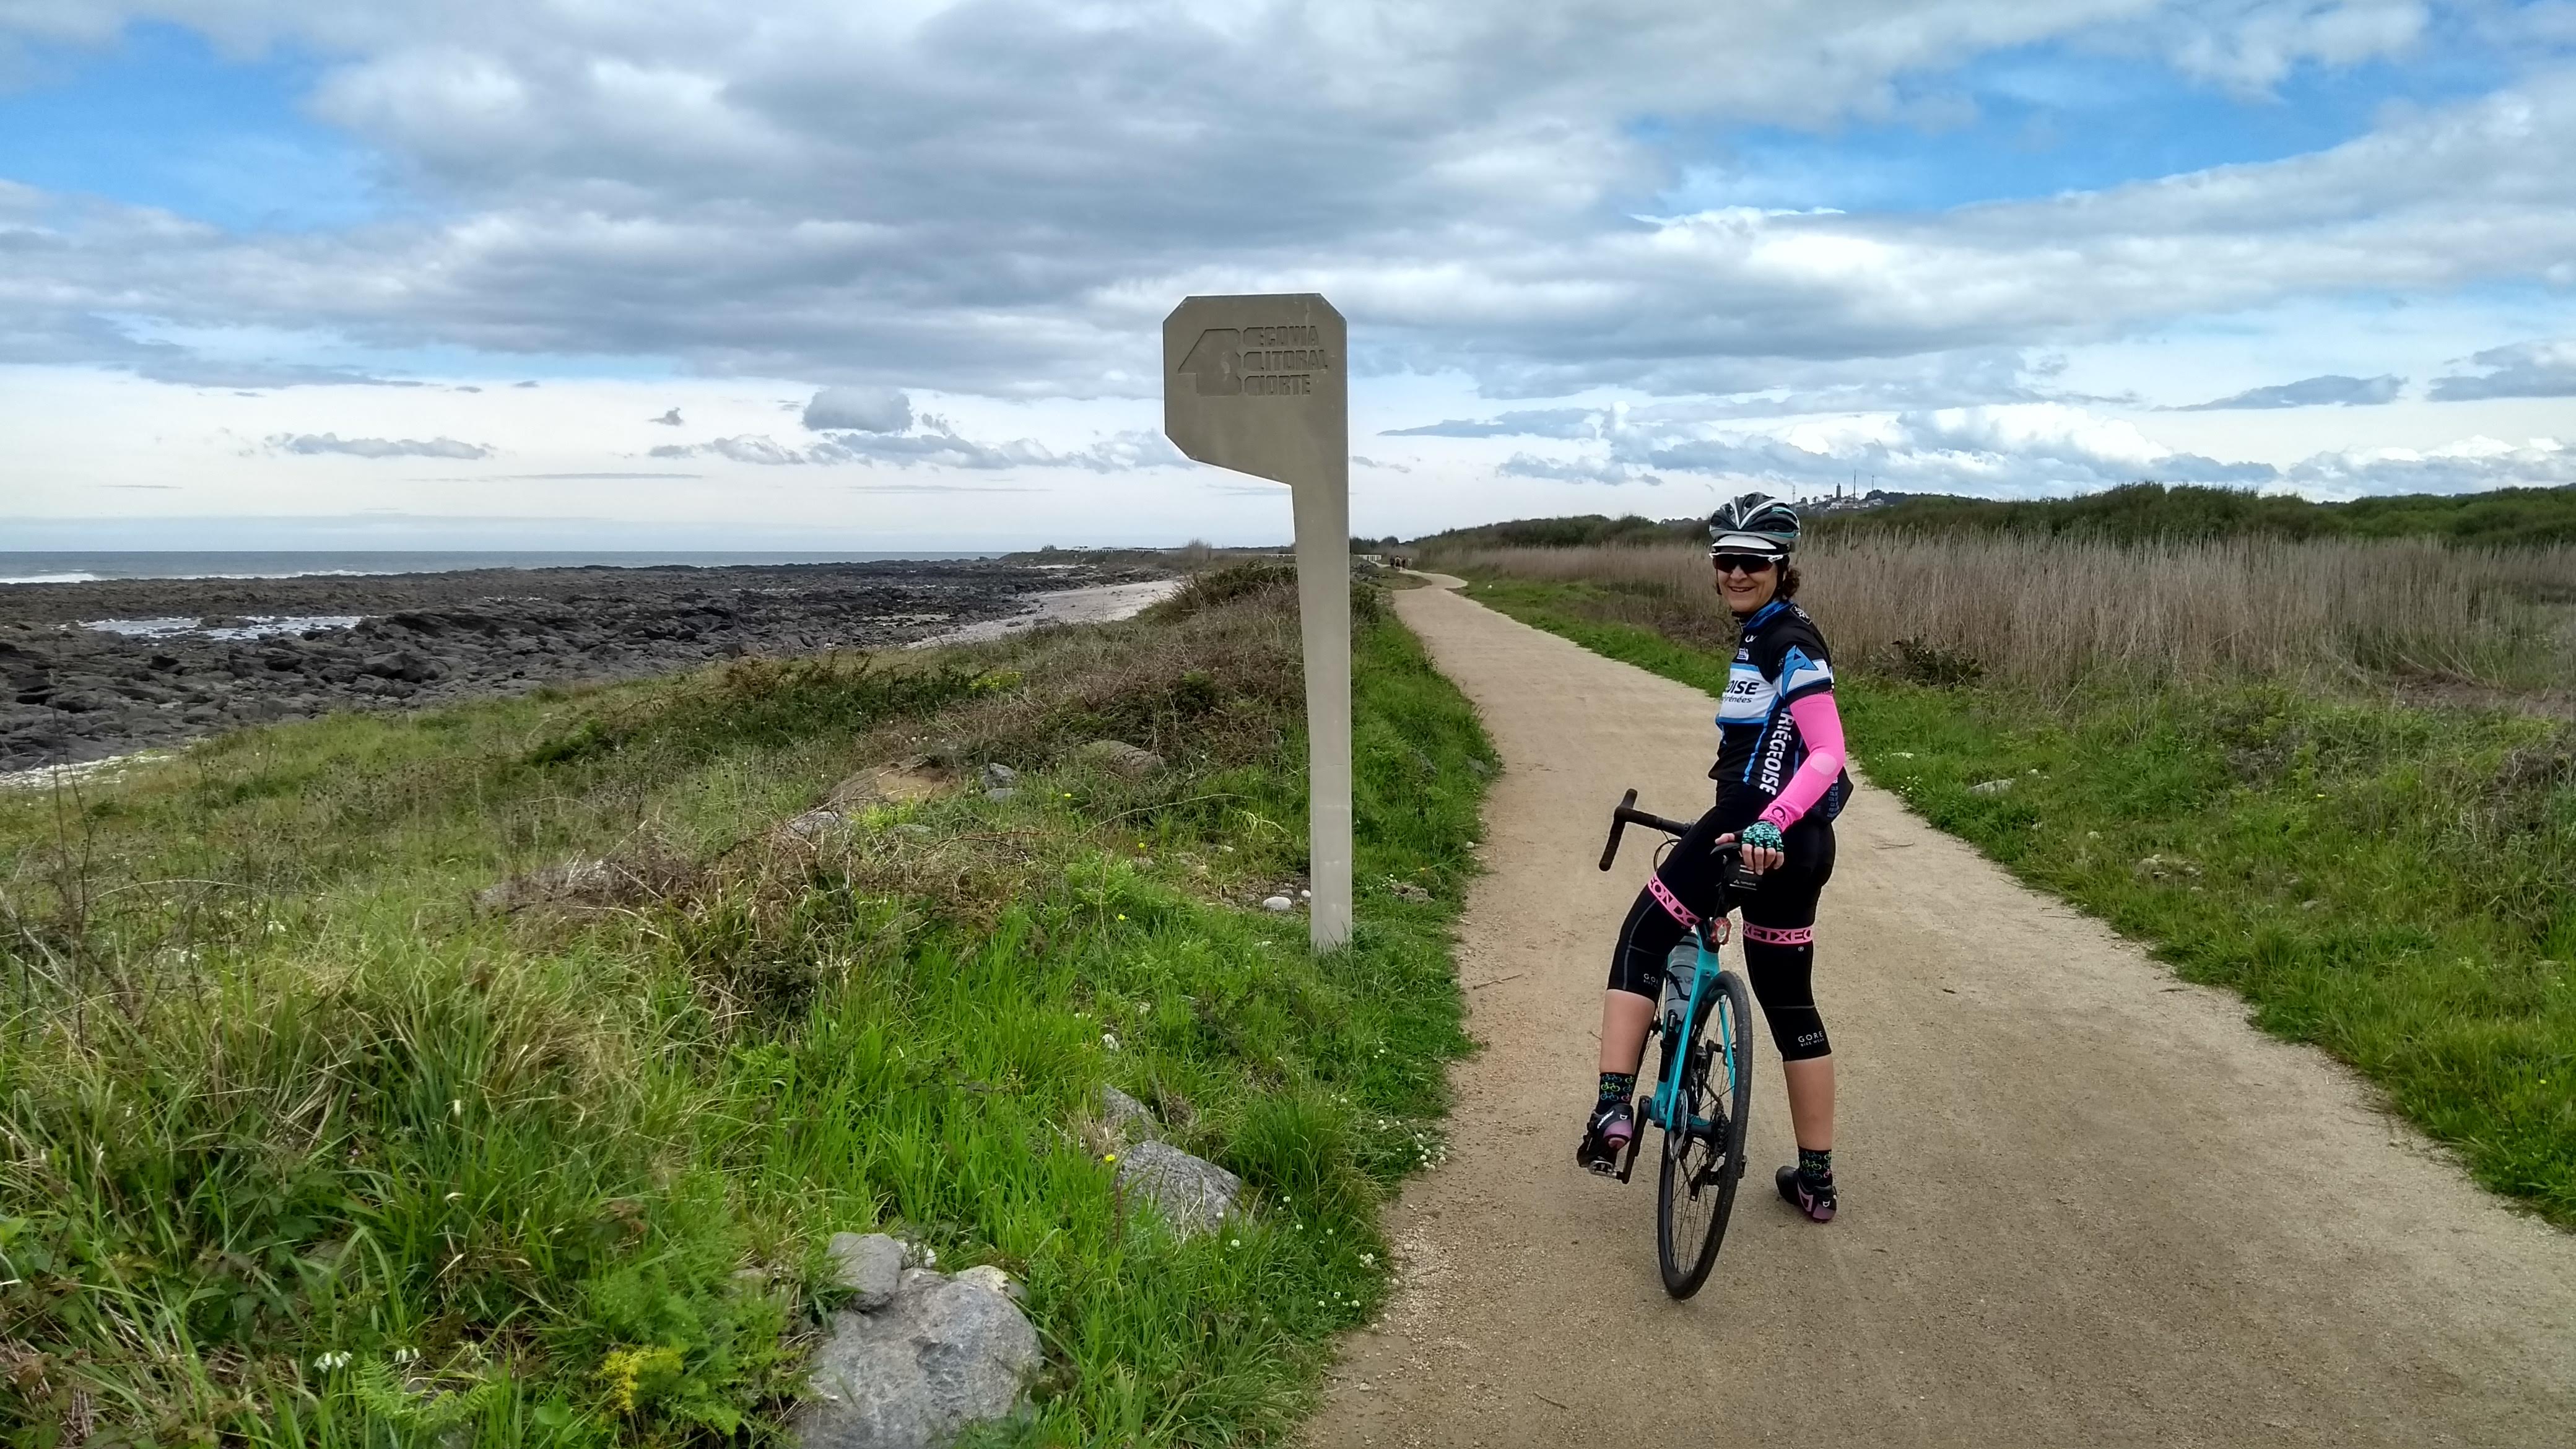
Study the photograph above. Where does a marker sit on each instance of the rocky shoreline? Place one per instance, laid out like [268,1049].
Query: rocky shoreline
[183,658]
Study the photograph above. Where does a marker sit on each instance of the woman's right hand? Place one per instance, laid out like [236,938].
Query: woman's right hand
[1757,858]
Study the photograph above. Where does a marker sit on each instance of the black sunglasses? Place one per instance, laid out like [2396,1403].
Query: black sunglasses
[1742,563]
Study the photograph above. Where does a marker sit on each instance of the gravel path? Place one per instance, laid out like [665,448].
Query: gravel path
[2084,1203]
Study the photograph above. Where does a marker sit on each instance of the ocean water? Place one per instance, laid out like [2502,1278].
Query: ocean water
[73,568]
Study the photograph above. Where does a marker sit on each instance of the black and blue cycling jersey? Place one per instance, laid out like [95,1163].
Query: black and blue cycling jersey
[1781,659]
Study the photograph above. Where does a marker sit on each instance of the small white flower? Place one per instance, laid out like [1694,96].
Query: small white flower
[1234,1242]
[331,1360]
[406,1355]
[1109,1039]
[1368,1260]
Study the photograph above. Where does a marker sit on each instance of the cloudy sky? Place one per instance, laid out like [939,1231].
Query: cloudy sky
[680,273]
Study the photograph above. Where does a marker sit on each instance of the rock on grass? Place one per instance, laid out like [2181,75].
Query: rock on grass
[943,1354]
[1120,758]
[1193,1195]
[869,1265]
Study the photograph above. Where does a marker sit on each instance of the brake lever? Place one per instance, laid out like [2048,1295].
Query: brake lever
[1740,879]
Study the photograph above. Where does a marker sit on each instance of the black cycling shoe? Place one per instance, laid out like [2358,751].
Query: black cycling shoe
[1815,1199]
[1606,1136]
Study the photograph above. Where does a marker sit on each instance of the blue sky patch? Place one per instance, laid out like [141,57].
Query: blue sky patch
[2036,122]
[160,119]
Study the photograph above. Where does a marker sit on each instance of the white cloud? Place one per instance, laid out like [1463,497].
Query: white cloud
[2018,450]
[1528,423]
[1576,470]
[2524,369]
[2252,44]
[745,449]
[985,208]
[316,443]
[2308,392]
[2471,465]
[861,409]
[937,444]
[910,195]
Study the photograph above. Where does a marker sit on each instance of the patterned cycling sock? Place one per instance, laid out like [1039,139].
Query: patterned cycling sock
[1816,1164]
[1617,1085]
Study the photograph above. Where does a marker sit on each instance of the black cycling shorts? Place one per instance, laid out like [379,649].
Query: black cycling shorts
[1779,928]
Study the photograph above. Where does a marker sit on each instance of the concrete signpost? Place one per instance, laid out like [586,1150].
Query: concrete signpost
[1259,385]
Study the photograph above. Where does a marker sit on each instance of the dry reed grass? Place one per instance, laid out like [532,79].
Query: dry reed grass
[2049,611]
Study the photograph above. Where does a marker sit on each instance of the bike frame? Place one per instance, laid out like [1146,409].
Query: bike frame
[1704,974]
[1663,1105]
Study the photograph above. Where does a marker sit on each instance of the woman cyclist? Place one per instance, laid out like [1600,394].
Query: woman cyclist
[1780,782]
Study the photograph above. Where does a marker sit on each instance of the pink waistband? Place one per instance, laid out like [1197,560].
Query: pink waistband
[1779,936]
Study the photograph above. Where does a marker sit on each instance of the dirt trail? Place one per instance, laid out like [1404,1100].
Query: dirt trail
[2083,1202]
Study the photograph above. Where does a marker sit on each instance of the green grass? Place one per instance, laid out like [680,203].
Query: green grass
[298,1147]
[2396,885]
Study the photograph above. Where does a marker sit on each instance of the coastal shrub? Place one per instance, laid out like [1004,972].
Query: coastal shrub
[2143,512]
[312,1149]
[1225,585]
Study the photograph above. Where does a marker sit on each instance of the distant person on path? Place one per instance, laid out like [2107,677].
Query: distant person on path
[1780,783]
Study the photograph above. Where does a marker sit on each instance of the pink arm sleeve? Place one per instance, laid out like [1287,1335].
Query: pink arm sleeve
[1820,729]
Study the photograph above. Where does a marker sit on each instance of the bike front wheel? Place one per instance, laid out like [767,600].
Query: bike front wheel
[1704,1144]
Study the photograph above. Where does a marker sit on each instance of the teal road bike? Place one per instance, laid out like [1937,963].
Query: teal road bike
[1703,1090]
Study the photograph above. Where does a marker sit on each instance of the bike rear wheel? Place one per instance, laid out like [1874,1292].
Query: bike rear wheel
[1704,1146]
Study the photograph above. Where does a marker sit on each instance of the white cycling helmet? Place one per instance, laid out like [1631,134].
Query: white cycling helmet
[1753,523]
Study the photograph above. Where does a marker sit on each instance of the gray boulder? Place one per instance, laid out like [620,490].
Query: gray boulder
[406,665]
[1132,1120]
[1192,1194]
[1991,787]
[816,823]
[944,1354]
[869,1265]
[987,1276]
[1120,758]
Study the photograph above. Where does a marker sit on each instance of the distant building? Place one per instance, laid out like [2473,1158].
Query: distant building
[1850,500]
